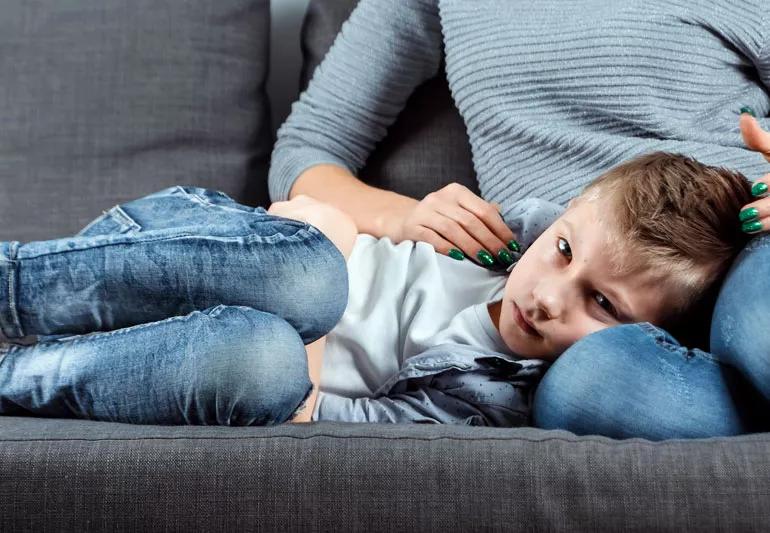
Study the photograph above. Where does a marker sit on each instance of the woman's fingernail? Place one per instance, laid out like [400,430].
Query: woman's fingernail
[751,227]
[513,245]
[454,253]
[505,257]
[485,258]
[748,214]
[758,188]
[750,111]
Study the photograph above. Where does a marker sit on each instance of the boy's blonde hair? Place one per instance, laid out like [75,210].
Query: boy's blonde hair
[674,218]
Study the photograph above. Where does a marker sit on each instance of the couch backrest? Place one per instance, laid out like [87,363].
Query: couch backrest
[103,101]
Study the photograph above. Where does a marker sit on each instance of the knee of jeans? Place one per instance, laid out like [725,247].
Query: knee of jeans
[260,375]
[584,388]
[741,317]
[323,297]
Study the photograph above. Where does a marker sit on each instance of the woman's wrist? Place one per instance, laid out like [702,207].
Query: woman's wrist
[388,220]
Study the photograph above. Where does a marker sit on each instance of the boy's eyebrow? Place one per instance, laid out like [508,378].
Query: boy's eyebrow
[620,303]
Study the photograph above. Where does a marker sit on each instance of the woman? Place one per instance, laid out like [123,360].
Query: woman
[553,95]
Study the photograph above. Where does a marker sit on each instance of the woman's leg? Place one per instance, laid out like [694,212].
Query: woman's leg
[167,254]
[226,365]
[636,380]
[740,326]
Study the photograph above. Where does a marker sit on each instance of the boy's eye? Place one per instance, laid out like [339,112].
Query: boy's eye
[610,308]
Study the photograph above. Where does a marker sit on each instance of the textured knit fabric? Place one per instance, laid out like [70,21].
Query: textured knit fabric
[552,93]
[416,343]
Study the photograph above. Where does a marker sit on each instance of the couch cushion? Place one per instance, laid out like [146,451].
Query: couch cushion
[75,475]
[427,146]
[103,101]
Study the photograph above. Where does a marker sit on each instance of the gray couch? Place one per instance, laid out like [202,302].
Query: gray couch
[103,101]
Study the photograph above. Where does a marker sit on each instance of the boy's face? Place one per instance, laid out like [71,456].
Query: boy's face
[563,286]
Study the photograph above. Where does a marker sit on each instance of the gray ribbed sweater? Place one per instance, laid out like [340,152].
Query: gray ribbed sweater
[552,92]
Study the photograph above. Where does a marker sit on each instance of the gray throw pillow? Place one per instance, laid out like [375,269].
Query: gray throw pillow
[427,146]
[103,101]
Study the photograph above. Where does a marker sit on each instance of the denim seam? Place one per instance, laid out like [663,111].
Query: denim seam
[161,238]
[94,222]
[688,353]
[13,267]
[207,203]
[74,339]
[123,217]
[661,340]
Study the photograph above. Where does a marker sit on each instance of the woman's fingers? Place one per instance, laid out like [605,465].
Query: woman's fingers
[459,219]
[470,232]
[755,216]
[754,136]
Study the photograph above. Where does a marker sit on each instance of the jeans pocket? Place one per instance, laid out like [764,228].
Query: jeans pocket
[113,220]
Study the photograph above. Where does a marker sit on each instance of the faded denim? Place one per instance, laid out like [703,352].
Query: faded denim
[636,380]
[181,307]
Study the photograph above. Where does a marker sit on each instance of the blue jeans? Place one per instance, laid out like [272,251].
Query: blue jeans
[181,307]
[636,380]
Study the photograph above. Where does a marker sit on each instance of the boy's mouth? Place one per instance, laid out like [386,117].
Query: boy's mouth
[522,322]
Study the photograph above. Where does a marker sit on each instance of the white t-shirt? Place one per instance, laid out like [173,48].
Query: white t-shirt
[403,299]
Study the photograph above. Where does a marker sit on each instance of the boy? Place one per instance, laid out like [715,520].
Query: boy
[418,340]
[641,243]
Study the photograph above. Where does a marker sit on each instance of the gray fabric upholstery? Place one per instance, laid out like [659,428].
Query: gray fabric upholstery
[77,475]
[103,101]
[60,474]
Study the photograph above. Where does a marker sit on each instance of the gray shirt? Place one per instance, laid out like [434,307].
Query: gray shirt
[553,93]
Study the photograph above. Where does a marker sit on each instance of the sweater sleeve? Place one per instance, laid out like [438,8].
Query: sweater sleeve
[763,64]
[383,51]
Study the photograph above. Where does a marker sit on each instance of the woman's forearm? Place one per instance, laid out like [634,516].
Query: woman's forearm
[374,210]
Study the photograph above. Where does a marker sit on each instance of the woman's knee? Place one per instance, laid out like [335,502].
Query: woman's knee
[257,372]
[636,380]
[740,327]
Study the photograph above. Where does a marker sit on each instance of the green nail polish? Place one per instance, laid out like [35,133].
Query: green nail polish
[513,245]
[750,111]
[748,214]
[485,258]
[758,188]
[751,227]
[454,253]
[505,257]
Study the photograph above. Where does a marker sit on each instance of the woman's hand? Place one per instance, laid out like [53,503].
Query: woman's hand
[454,218]
[756,215]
